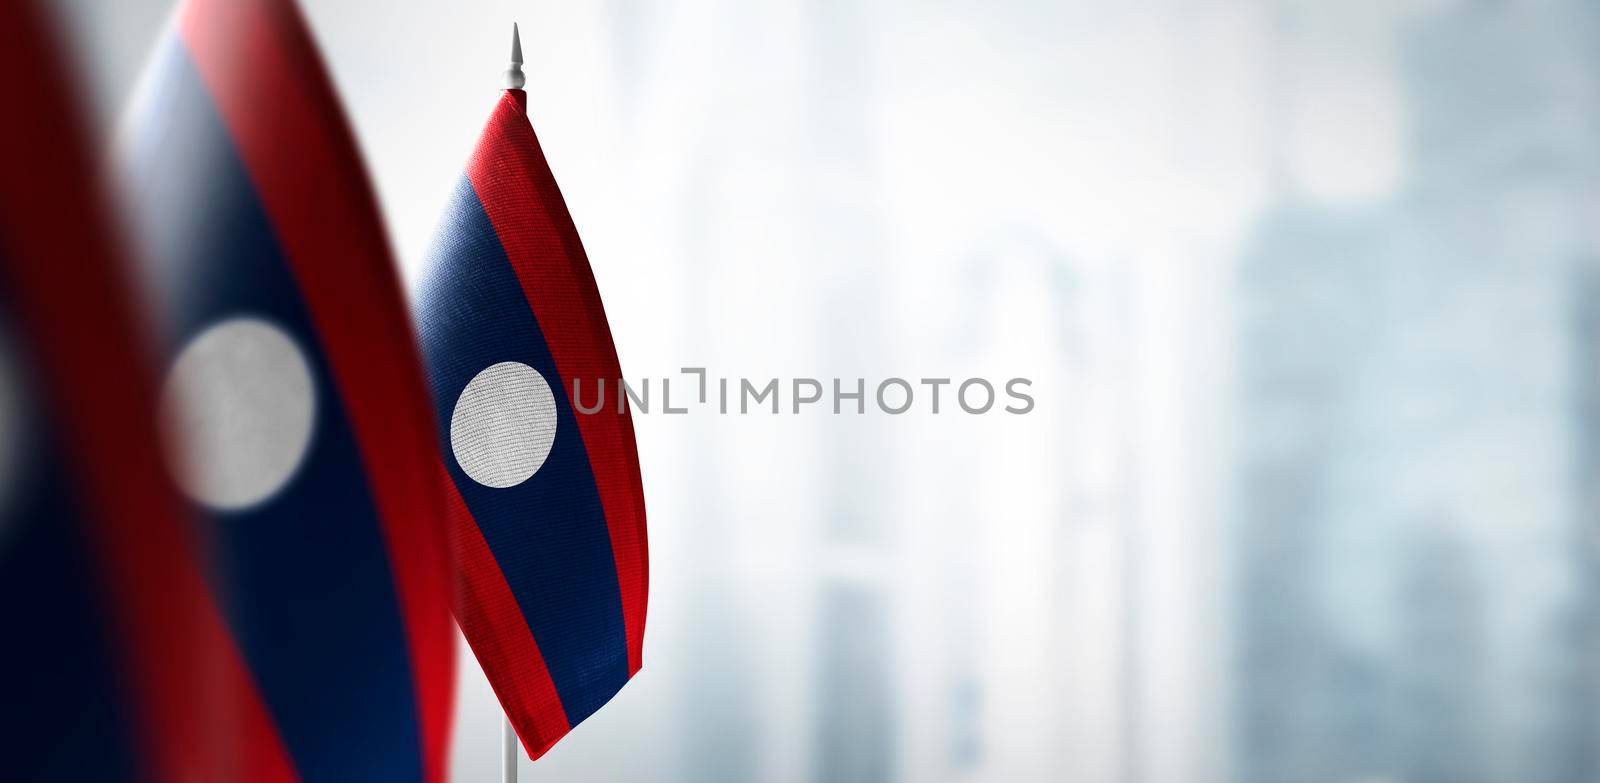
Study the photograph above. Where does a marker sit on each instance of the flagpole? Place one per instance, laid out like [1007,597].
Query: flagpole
[514,80]
[508,751]
[513,76]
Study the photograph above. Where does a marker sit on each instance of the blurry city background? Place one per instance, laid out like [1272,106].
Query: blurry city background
[1309,291]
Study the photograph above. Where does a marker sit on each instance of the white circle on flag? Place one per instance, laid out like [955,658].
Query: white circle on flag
[238,407]
[503,425]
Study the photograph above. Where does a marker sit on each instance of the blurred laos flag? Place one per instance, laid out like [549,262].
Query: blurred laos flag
[546,511]
[292,384]
[112,668]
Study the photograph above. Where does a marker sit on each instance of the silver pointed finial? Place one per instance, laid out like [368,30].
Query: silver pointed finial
[514,77]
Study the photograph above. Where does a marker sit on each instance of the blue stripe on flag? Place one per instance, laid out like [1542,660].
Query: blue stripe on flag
[66,715]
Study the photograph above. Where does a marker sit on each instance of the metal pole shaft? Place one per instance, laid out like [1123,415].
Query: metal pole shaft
[508,751]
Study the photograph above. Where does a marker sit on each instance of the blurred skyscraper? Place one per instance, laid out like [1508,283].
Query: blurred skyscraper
[1413,460]
[855,721]
[1577,684]
[1305,692]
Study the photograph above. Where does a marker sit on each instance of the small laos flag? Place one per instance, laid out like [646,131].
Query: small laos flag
[546,510]
[292,385]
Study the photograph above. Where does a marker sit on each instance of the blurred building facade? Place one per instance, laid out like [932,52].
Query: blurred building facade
[1415,378]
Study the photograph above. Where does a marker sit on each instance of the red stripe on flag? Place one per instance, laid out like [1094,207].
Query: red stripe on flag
[197,711]
[261,67]
[513,181]
[495,627]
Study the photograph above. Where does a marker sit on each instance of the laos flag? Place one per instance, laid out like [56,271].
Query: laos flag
[291,385]
[113,667]
[545,506]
